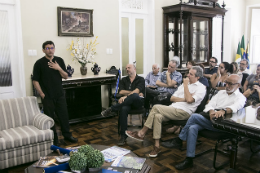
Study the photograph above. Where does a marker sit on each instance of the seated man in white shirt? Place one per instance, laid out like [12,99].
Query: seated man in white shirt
[185,101]
[243,67]
[224,102]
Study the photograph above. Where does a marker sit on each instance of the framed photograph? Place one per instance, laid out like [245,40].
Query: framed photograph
[75,22]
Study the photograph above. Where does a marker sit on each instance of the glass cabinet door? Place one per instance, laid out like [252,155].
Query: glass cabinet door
[171,37]
[200,40]
[185,40]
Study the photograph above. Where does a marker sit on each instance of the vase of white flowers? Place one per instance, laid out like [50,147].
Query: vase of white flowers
[83,53]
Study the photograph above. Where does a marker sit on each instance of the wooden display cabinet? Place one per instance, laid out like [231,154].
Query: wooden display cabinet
[187,30]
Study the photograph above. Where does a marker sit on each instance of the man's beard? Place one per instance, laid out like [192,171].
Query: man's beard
[230,91]
[241,69]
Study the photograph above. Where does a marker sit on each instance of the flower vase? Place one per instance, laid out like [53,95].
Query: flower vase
[83,70]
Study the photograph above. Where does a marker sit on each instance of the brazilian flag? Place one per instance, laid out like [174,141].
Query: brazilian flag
[242,47]
[238,55]
[247,55]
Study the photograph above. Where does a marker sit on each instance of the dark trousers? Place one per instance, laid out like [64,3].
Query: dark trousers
[131,102]
[59,107]
[149,97]
[152,97]
[166,101]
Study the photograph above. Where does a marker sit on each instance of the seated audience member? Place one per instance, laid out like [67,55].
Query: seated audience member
[185,101]
[225,102]
[177,59]
[167,83]
[132,87]
[251,88]
[204,81]
[212,69]
[150,84]
[243,67]
[152,77]
[236,70]
[217,79]
[189,64]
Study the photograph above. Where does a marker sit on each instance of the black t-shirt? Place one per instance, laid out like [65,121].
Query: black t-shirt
[49,79]
[125,84]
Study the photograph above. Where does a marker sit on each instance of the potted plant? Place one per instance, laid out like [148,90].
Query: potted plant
[85,149]
[78,162]
[95,160]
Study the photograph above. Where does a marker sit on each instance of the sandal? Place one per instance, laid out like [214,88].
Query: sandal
[134,135]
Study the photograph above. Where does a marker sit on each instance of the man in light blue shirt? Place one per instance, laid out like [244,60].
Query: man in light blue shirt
[152,77]
[167,83]
[150,84]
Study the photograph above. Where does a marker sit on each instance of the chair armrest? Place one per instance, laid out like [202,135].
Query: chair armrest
[43,122]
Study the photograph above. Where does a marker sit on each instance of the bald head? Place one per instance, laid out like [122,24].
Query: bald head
[232,83]
[235,78]
[155,69]
[131,70]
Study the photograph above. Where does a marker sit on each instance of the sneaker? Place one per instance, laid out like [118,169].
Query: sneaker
[71,139]
[154,152]
[122,140]
[174,143]
[106,112]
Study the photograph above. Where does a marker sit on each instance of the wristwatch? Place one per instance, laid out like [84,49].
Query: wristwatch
[225,110]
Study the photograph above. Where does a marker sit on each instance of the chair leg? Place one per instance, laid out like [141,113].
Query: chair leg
[233,154]
[140,118]
[118,123]
[215,158]
[143,116]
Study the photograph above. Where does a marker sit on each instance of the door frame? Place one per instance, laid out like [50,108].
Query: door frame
[16,51]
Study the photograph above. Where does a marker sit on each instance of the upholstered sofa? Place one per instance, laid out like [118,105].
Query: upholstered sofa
[25,132]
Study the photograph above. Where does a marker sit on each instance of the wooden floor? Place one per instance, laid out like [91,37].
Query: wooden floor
[104,132]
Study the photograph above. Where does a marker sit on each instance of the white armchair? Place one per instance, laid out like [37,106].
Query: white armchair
[25,132]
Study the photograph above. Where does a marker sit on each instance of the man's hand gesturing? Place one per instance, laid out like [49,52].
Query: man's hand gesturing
[54,65]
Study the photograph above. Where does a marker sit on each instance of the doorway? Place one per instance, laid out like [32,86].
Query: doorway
[11,58]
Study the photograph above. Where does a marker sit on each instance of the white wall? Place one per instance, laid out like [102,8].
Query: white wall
[249,4]
[39,23]
[159,28]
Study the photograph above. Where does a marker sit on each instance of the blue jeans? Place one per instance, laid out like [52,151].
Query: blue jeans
[190,131]
[131,102]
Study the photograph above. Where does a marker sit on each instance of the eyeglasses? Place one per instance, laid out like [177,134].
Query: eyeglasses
[230,83]
[170,66]
[49,48]
[212,61]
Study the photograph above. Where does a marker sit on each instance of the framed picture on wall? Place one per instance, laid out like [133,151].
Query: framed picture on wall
[75,22]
